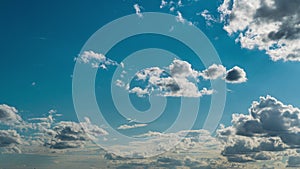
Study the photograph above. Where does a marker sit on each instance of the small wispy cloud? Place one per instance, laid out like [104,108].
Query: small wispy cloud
[126,127]
[137,9]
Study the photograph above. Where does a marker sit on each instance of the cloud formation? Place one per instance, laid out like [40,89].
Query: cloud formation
[214,72]
[270,126]
[137,9]
[236,75]
[96,60]
[67,134]
[126,126]
[9,139]
[272,26]
[179,79]
[9,115]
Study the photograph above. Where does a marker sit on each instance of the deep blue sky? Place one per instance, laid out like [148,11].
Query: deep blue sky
[39,41]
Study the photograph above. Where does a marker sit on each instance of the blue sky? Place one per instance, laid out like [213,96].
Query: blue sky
[40,42]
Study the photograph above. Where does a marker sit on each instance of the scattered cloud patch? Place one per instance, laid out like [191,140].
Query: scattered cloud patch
[210,19]
[137,9]
[96,60]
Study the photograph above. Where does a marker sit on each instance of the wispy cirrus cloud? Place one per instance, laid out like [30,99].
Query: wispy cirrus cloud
[126,126]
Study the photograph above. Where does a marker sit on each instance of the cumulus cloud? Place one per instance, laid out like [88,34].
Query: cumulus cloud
[137,9]
[96,60]
[9,137]
[270,126]
[9,115]
[213,72]
[180,82]
[272,26]
[139,91]
[126,126]
[179,79]
[236,75]
[67,134]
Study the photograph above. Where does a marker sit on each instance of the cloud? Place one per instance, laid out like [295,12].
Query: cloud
[8,115]
[125,126]
[96,60]
[180,82]
[179,17]
[67,134]
[270,126]
[137,9]
[179,79]
[213,72]
[158,143]
[208,17]
[9,139]
[236,75]
[272,26]
[139,91]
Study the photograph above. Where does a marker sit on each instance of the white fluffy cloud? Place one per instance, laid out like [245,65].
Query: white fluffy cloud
[213,72]
[269,25]
[96,60]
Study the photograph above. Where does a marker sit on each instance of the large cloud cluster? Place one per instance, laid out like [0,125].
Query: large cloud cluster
[179,79]
[270,126]
[44,132]
[269,25]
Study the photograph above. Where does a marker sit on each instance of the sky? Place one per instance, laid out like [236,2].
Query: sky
[161,84]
